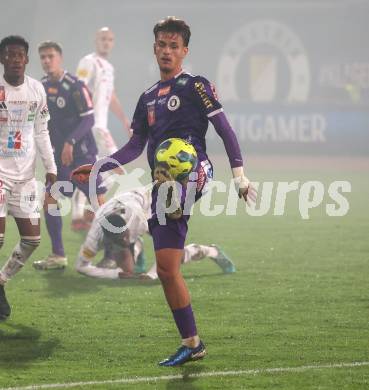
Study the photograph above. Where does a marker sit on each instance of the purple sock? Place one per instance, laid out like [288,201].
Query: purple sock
[54,226]
[185,321]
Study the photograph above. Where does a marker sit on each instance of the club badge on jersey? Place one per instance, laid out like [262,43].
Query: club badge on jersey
[173,103]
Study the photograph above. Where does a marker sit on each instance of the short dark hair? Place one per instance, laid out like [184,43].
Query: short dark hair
[117,221]
[13,40]
[173,25]
[50,45]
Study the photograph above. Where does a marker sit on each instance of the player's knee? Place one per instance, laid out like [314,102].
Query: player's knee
[30,243]
[167,275]
[50,203]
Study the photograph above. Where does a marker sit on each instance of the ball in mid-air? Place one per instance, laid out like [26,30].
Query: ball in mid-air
[177,156]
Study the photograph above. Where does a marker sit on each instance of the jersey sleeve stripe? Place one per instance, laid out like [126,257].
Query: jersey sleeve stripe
[87,113]
[213,113]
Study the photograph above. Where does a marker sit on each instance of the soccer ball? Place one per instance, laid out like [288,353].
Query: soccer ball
[177,156]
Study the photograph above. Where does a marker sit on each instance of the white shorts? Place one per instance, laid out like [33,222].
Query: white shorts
[104,141]
[19,198]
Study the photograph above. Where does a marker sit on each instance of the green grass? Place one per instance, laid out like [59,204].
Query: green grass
[300,297]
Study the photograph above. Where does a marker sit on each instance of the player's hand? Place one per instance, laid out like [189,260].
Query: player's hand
[248,193]
[67,154]
[144,276]
[50,179]
[246,190]
[126,275]
[82,173]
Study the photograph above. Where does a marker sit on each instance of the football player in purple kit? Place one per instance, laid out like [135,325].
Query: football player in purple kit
[180,105]
[71,120]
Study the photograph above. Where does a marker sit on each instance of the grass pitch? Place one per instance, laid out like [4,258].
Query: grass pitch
[300,297]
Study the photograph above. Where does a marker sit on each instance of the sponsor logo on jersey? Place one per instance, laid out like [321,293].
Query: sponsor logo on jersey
[162,100]
[205,174]
[164,91]
[173,103]
[182,81]
[2,93]
[65,86]
[31,117]
[44,113]
[52,90]
[151,114]
[16,115]
[60,102]
[200,88]
[3,112]
[17,102]
[32,107]
[82,73]
[14,139]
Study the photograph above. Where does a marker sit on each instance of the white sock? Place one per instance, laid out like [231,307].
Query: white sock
[152,272]
[198,252]
[19,256]
[79,201]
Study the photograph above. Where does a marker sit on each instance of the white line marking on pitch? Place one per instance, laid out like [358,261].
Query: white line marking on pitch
[208,374]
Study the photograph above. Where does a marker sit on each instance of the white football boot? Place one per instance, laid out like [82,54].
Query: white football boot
[51,262]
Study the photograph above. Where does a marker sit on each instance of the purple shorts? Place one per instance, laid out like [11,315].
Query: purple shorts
[173,233]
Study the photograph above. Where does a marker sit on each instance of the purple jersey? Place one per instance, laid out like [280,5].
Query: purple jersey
[179,107]
[71,113]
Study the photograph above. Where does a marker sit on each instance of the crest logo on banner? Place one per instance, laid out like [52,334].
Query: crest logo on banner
[262,62]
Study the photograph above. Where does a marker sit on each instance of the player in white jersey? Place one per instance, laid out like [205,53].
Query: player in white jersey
[98,74]
[23,135]
[118,227]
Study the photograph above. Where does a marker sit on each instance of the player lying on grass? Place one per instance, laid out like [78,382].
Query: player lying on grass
[128,212]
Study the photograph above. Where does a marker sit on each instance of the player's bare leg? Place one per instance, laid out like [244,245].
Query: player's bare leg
[174,286]
[176,292]
[29,232]
[79,221]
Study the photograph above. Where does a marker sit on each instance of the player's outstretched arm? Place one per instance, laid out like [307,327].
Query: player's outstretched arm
[243,186]
[129,152]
